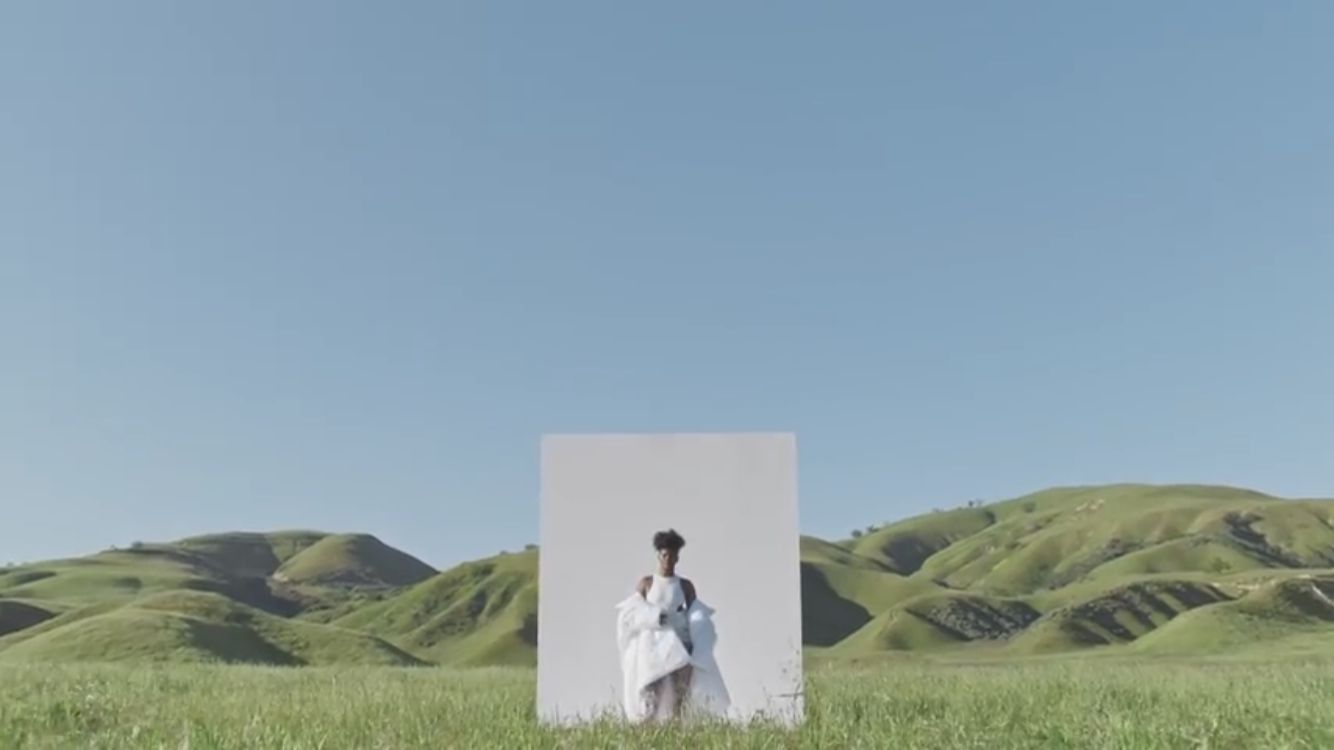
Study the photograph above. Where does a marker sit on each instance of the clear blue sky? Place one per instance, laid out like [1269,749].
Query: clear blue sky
[339,265]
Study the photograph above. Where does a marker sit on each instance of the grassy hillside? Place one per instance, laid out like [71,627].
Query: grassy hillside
[249,555]
[904,547]
[484,612]
[938,620]
[190,626]
[1073,568]
[1054,538]
[353,559]
[843,591]
[1288,614]
[220,597]
[107,575]
[1136,568]
[1115,615]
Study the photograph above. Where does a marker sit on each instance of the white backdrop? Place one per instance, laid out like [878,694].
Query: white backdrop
[734,499]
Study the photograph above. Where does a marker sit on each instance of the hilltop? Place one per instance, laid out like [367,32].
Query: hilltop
[1135,569]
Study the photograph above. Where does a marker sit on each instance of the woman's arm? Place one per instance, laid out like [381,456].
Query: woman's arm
[642,589]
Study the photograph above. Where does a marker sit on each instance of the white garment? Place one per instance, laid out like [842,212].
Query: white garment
[667,594]
[651,650]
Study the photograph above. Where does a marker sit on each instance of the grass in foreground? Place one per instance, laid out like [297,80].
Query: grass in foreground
[1047,705]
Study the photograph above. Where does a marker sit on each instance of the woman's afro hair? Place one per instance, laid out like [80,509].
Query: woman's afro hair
[668,539]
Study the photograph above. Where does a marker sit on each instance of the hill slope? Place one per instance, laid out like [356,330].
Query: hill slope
[353,559]
[842,591]
[1060,570]
[1294,613]
[1142,568]
[189,626]
[285,573]
[248,554]
[484,612]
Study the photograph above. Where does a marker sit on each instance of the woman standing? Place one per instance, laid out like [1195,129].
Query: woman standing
[666,639]
[672,596]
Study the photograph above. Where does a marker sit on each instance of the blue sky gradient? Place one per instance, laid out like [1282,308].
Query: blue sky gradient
[339,265]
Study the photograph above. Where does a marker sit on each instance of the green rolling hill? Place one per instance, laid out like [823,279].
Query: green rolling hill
[843,591]
[194,626]
[1134,569]
[1291,614]
[358,559]
[482,612]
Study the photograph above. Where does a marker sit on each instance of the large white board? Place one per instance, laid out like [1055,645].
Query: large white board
[734,499]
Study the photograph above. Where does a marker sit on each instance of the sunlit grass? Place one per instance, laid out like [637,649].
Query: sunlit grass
[1071,704]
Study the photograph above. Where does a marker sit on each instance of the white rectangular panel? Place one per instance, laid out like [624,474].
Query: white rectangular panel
[733,497]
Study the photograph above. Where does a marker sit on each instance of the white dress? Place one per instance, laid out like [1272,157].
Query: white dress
[651,650]
[667,594]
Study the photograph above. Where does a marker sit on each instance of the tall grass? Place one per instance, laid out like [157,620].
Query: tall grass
[1094,704]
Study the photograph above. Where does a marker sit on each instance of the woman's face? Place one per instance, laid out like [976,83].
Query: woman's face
[668,557]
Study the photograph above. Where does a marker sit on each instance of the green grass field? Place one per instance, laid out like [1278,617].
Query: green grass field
[1065,703]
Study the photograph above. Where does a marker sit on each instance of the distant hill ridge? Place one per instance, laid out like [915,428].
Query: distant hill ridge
[1151,569]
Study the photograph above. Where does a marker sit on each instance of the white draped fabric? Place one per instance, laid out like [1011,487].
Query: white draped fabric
[651,651]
